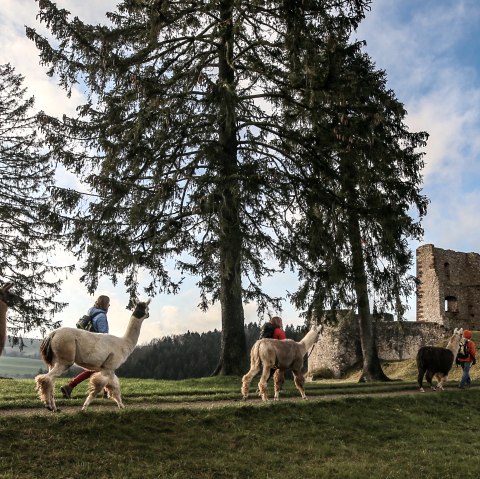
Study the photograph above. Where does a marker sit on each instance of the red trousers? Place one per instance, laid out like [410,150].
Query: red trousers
[80,377]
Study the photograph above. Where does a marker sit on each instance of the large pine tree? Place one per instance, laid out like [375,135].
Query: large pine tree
[181,141]
[29,228]
[361,184]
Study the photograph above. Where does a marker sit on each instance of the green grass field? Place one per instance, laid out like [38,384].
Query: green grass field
[17,367]
[431,435]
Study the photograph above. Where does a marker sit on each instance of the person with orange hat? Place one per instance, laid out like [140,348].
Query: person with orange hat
[467,359]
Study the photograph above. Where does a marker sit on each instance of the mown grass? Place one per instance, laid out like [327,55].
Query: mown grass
[16,393]
[430,435]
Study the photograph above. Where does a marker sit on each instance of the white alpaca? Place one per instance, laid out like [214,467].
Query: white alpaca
[279,355]
[103,353]
[5,299]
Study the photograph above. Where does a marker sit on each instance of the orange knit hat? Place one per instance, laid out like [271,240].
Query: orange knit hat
[467,334]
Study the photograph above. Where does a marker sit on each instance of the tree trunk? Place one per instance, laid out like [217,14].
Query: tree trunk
[372,369]
[233,355]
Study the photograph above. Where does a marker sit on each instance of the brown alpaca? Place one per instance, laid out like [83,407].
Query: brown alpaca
[433,361]
[5,299]
[98,352]
[280,355]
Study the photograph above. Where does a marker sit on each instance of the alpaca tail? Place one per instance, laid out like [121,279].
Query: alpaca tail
[46,349]
[255,361]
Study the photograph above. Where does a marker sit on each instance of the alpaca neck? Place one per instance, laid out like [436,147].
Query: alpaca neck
[309,340]
[3,324]
[454,343]
[133,331]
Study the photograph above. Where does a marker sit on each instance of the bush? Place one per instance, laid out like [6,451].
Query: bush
[322,373]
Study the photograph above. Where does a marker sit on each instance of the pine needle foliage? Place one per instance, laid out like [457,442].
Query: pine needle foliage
[181,142]
[360,185]
[29,227]
[365,174]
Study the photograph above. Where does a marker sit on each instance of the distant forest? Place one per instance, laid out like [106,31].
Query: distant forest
[189,355]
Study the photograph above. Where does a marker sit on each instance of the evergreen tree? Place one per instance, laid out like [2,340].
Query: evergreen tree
[181,143]
[29,229]
[361,185]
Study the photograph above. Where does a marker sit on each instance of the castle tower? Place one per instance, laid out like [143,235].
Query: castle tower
[449,287]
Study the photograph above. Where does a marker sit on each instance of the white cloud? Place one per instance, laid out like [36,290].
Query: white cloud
[450,116]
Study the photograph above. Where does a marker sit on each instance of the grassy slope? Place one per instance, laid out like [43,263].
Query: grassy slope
[20,367]
[412,435]
[428,435]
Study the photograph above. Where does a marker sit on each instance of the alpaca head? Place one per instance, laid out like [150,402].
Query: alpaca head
[458,332]
[141,309]
[5,296]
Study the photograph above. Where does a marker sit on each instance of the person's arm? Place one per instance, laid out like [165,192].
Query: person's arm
[472,350]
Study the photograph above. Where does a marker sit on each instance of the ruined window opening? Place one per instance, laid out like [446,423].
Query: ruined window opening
[447,270]
[451,304]
[470,311]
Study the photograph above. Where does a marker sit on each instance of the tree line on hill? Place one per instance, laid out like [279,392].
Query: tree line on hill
[189,355]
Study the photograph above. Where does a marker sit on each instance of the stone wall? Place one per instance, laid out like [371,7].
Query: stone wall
[448,297]
[338,348]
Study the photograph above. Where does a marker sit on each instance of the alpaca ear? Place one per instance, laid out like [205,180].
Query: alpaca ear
[148,302]
[132,304]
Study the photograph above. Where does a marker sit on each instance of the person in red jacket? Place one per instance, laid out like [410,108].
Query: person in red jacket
[273,330]
[278,332]
[467,362]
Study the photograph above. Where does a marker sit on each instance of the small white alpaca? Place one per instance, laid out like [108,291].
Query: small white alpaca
[267,354]
[103,353]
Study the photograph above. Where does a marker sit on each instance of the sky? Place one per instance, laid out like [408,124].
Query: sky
[429,51]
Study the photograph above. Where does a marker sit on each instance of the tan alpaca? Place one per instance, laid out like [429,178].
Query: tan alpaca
[280,355]
[4,303]
[103,353]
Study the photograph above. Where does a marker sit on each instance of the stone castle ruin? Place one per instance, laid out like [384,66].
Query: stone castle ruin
[448,296]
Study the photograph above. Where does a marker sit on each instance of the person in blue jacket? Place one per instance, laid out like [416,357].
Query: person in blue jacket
[98,313]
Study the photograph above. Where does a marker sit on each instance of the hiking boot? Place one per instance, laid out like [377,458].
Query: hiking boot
[66,391]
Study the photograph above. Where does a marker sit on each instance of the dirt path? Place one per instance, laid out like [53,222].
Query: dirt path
[103,405]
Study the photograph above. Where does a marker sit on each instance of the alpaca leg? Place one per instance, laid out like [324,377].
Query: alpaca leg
[45,385]
[113,388]
[299,382]
[44,388]
[246,380]
[262,384]
[421,373]
[97,382]
[441,381]
[279,379]
[428,378]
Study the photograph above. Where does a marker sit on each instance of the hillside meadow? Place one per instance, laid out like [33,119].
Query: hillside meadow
[200,428]
[19,367]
